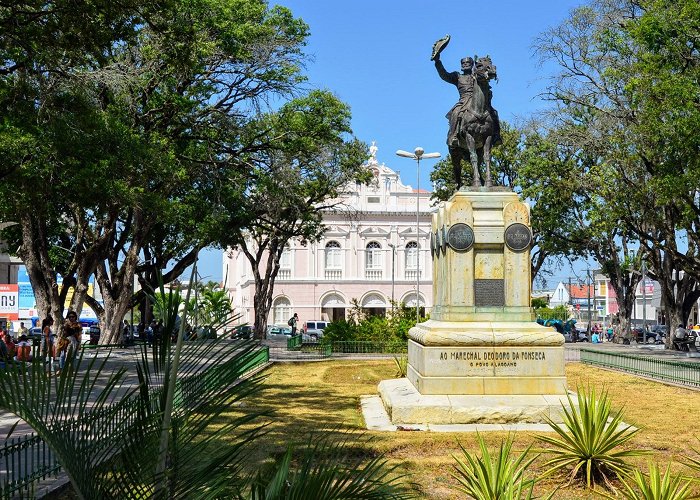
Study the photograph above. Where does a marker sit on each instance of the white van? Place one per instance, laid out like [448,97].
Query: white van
[313,330]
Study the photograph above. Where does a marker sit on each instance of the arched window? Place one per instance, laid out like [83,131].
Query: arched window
[285,271]
[281,310]
[334,263]
[373,261]
[412,255]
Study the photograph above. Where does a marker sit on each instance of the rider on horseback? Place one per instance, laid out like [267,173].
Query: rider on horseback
[474,124]
[461,111]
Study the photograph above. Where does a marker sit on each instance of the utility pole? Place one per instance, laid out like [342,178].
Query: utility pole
[590,280]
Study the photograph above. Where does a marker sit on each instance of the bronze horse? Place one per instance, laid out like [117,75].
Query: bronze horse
[477,128]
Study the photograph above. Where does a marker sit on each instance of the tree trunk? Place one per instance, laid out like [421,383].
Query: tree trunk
[42,276]
[616,265]
[679,291]
[264,284]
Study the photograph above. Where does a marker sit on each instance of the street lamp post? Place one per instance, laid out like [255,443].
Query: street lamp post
[644,302]
[417,154]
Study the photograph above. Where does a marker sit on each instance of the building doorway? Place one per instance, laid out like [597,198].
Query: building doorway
[333,307]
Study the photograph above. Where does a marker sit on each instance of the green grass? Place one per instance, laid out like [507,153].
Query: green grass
[308,397]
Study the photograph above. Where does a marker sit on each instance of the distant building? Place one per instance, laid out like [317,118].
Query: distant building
[9,292]
[371,252]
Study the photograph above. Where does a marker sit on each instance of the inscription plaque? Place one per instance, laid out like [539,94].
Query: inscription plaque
[518,237]
[460,237]
[489,293]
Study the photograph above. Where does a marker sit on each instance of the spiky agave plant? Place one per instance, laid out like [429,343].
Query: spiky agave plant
[501,476]
[330,469]
[401,361]
[693,463]
[653,486]
[589,442]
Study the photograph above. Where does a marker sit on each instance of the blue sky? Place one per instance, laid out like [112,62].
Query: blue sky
[375,56]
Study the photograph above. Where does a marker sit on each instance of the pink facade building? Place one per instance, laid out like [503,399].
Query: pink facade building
[370,252]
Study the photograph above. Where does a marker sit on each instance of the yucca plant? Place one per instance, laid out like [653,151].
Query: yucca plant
[654,486]
[330,469]
[495,477]
[589,442]
[401,361]
[693,463]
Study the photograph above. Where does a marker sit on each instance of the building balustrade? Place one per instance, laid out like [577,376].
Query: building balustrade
[373,274]
[334,274]
[412,274]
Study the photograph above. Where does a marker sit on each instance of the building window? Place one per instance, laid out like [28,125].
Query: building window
[285,271]
[411,260]
[373,261]
[334,266]
[281,311]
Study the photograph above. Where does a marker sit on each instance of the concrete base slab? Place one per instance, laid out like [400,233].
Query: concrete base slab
[405,405]
[377,419]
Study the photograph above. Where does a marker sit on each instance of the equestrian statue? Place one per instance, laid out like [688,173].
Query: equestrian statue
[474,126]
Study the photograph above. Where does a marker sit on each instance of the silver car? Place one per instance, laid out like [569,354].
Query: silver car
[312,331]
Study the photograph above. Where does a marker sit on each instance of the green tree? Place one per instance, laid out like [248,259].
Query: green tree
[123,139]
[626,94]
[310,159]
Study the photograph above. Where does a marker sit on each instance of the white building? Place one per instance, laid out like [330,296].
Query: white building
[370,252]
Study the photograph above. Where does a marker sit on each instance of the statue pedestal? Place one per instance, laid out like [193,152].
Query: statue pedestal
[481,358]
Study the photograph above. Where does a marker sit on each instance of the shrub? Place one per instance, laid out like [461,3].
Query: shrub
[339,331]
[589,440]
[497,477]
[401,361]
[654,486]
[329,468]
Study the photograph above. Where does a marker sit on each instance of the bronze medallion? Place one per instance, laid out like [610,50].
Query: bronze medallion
[518,237]
[460,237]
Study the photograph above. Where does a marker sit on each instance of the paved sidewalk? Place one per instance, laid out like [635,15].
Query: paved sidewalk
[116,358]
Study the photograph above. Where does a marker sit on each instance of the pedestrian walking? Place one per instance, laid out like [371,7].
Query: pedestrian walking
[293,322]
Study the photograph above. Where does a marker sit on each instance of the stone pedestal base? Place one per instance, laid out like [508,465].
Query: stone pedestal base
[405,405]
[486,358]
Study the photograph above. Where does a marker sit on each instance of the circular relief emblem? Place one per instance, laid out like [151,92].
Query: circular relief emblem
[432,244]
[443,239]
[460,237]
[518,237]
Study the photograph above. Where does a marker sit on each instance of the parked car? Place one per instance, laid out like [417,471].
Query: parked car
[279,330]
[651,336]
[241,332]
[313,330]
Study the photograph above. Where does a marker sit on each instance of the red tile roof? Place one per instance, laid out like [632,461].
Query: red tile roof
[580,291]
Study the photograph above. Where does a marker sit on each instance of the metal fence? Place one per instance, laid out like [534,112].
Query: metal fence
[294,350]
[24,461]
[28,459]
[672,371]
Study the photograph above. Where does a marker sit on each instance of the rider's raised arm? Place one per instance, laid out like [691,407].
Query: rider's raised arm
[448,77]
